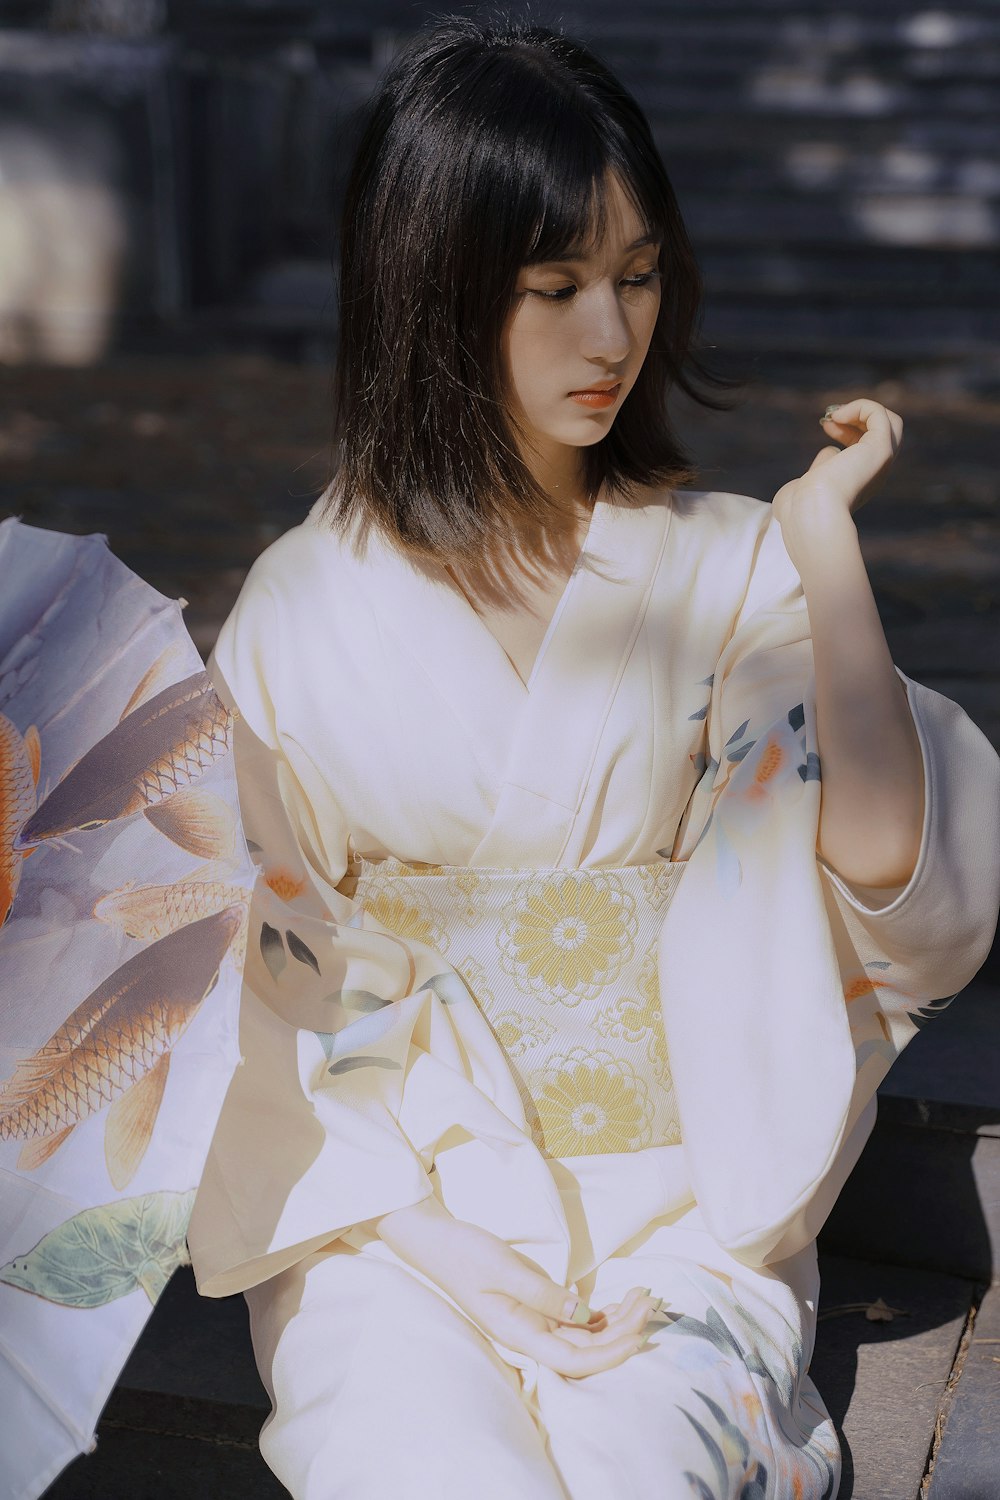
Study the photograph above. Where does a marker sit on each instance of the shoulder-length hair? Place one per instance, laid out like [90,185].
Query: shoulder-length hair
[486,148]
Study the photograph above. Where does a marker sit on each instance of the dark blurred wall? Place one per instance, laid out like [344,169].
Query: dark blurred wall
[169,171]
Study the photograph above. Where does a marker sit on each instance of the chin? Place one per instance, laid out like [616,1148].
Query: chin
[587,432]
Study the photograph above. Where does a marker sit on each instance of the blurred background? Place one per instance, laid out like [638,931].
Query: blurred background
[170,176]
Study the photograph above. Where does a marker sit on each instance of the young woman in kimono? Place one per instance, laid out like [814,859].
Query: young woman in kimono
[600,883]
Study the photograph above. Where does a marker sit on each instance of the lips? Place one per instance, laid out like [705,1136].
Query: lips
[604,394]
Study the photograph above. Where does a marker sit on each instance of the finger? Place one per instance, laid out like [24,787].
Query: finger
[614,1317]
[823,457]
[863,416]
[859,462]
[543,1295]
[630,1326]
[577,1360]
[631,1316]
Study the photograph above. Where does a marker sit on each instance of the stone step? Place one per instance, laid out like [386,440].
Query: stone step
[926,1190]
[878,272]
[184,1418]
[887,34]
[884,1382]
[817,170]
[721,60]
[932,219]
[717,129]
[966,1463]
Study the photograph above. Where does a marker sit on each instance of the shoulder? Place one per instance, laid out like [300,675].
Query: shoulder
[722,529]
[307,558]
[304,581]
[721,511]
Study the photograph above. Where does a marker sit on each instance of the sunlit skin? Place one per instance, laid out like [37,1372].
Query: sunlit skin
[576,323]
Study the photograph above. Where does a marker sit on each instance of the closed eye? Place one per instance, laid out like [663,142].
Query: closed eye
[564,293]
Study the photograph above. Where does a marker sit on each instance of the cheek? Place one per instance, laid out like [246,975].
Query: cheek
[535,345]
[643,322]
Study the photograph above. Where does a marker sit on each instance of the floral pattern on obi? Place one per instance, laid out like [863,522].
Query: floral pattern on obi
[563,965]
[564,939]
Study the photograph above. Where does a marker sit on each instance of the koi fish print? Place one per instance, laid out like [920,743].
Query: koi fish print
[151,912]
[147,765]
[115,1048]
[20,763]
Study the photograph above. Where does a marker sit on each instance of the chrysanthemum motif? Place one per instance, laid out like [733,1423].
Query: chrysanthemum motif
[416,918]
[635,1018]
[591,1102]
[565,937]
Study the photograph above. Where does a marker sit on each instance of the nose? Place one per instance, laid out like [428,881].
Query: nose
[606,334]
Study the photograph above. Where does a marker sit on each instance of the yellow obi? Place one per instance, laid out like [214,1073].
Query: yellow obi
[563,965]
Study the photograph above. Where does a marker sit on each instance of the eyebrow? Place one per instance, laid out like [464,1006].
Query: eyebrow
[579,252]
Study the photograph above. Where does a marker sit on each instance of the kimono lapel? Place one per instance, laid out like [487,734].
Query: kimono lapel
[554,738]
[441,638]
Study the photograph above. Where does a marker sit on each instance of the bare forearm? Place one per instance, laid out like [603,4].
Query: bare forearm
[872,781]
[413,1232]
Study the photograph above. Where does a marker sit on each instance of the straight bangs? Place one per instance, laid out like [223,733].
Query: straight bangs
[486,150]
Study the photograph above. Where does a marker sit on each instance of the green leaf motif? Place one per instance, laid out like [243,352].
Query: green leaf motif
[105,1252]
[811,769]
[362,1000]
[927,1012]
[300,950]
[272,949]
[348,1064]
[449,988]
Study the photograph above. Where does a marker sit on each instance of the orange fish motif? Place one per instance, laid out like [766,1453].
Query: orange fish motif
[115,1049]
[146,764]
[153,911]
[20,763]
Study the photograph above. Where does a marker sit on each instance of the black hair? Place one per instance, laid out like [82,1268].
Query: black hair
[486,147]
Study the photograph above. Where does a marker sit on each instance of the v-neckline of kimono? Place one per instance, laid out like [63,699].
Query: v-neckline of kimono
[536,746]
[526,683]
[552,747]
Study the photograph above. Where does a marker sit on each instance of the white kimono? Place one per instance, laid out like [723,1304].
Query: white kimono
[669,721]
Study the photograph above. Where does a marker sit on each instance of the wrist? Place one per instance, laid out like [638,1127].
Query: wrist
[824,546]
[404,1225]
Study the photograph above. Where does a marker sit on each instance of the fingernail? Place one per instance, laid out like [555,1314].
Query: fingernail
[830,409]
[582,1314]
[657,1304]
[646,1290]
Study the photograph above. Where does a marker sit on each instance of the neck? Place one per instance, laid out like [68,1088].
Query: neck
[556,468]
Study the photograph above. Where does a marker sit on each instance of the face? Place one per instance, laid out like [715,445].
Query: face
[576,338]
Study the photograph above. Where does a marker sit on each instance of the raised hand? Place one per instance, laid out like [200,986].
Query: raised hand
[508,1297]
[839,480]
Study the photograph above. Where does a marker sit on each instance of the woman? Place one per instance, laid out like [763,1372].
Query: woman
[522,1173]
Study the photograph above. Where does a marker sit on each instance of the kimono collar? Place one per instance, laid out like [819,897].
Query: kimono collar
[544,735]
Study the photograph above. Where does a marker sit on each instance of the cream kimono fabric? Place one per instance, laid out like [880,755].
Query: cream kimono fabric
[670,715]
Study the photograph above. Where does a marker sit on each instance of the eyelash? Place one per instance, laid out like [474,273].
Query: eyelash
[564,293]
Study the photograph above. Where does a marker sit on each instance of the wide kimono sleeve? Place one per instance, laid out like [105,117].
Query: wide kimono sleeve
[365,1060]
[787,991]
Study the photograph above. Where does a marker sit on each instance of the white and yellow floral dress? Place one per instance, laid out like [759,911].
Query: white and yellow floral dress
[562,953]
